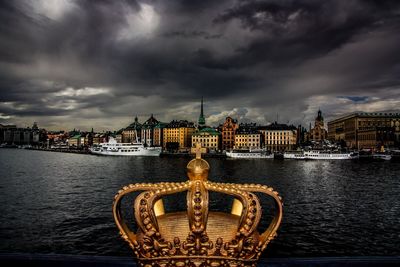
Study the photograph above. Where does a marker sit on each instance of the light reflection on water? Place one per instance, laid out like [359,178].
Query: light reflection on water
[61,203]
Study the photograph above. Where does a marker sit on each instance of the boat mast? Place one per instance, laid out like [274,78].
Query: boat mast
[137,141]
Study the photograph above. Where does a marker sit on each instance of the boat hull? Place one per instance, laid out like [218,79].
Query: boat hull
[144,152]
[249,155]
[329,156]
[381,157]
[293,156]
[309,155]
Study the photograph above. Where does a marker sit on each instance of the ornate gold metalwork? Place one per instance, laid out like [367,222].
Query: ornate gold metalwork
[198,237]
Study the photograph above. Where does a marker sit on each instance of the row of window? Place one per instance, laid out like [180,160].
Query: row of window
[247,140]
[208,145]
[278,143]
[278,133]
[276,140]
[367,137]
[249,144]
[278,137]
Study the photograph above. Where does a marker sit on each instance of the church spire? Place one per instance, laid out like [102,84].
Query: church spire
[202,120]
[201,113]
[319,117]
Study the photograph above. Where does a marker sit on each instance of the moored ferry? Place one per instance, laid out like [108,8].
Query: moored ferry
[293,155]
[329,155]
[318,155]
[250,154]
[112,148]
[381,156]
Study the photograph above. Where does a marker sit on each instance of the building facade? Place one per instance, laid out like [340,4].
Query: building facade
[279,137]
[10,134]
[27,137]
[318,133]
[177,135]
[247,136]
[147,132]
[57,138]
[75,141]
[208,138]
[7,133]
[131,134]
[100,138]
[376,137]
[118,136]
[228,130]
[247,141]
[158,134]
[366,130]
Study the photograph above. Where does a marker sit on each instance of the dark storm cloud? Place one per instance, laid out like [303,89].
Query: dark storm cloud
[356,98]
[105,60]
[192,34]
[295,31]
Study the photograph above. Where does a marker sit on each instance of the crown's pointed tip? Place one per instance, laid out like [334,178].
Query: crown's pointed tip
[198,150]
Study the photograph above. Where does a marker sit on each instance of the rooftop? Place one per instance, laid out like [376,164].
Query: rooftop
[180,124]
[134,125]
[151,122]
[279,126]
[207,130]
[368,114]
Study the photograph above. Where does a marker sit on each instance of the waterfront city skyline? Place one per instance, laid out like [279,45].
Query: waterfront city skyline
[83,64]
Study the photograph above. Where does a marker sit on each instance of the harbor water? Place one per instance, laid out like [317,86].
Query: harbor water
[61,203]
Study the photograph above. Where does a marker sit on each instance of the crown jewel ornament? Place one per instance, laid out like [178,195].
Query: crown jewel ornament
[197,237]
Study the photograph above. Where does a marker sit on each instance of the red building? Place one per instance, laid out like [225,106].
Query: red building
[228,130]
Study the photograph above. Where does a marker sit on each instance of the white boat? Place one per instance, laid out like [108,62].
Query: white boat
[379,156]
[294,155]
[329,155]
[112,148]
[250,154]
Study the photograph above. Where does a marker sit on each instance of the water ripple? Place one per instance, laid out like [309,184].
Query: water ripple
[61,203]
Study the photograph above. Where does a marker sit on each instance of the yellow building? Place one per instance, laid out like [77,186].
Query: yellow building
[208,138]
[158,134]
[247,136]
[74,141]
[96,139]
[279,137]
[177,135]
[247,141]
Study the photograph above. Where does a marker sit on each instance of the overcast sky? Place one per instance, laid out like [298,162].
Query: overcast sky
[83,64]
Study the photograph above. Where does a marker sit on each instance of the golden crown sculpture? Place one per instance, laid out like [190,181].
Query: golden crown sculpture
[197,237]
